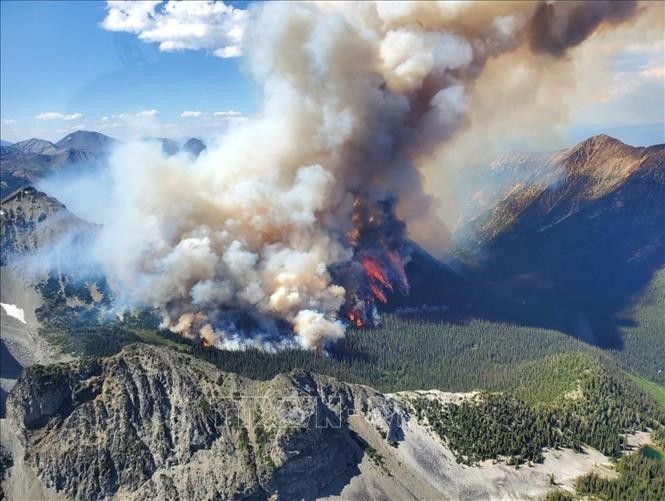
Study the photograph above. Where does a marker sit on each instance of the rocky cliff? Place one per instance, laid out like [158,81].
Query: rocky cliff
[31,220]
[154,423]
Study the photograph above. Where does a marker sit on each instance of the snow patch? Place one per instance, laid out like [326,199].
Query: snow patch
[14,311]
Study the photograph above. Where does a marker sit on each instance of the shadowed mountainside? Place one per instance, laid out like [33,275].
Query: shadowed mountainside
[588,244]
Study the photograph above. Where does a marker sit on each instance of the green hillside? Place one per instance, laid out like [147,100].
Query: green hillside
[644,335]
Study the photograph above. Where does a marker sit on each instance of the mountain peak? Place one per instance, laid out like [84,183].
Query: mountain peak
[604,159]
[93,142]
[601,140]
[194,146]
[37,146]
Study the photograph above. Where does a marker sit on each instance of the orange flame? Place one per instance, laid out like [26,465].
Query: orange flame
[355,319]
[376,273]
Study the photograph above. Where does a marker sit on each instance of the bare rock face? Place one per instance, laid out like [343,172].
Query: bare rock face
[31,220]
[155,423]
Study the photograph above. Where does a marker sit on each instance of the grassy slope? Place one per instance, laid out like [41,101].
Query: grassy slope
[654,389]
[644,340]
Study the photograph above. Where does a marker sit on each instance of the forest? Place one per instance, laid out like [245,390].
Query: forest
[641,476]
[491,425]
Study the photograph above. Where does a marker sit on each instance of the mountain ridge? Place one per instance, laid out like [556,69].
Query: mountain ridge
[27,162]
[153,422]
[590,242]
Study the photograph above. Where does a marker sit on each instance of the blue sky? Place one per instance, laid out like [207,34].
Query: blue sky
[55,57]
[62,70]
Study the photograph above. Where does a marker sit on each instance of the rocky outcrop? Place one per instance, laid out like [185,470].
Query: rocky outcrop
[31,220]
[152,422]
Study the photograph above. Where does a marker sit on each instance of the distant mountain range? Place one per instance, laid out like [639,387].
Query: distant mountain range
[26,162]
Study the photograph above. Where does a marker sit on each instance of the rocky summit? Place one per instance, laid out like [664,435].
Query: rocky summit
[154,422]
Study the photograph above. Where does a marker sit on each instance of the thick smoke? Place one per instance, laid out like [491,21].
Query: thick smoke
[556,27]
[251,241]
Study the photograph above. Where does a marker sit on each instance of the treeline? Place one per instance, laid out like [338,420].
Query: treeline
[598,414]
[413,353]
[658,437]
[559,391]
[491,426]
[643,339]
[640,477]
[403,353]
[81,322]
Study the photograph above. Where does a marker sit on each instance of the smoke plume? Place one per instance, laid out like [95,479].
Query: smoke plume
[293,225]
[556,27]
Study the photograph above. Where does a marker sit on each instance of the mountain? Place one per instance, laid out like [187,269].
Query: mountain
[5,143]
[26,162]
[31,221]
[481,189]
[169,146]
[93,143]
[135,412]
[587,244]
[36,233]
[151,422]
[194,146]
[38,146]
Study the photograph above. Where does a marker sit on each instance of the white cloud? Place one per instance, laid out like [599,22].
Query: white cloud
[8,121]
[191,114]
[227,114]
[145,113]
[52,115]
[129,16]
[177,25]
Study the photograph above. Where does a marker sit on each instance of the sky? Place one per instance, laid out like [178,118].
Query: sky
[58,63]
[168,70]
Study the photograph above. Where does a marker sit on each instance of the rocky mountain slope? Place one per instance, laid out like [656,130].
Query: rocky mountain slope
[93,143]
[588,242]
[32,224]
[31,220]
[154,423]
[37,146]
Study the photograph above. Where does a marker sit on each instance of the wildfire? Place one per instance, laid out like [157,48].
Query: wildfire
[376,274]
[355,319]
[377,237]
[382,274]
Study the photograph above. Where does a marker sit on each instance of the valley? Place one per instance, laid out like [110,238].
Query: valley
[469,334]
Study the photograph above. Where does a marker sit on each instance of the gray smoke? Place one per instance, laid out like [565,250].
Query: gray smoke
[558,26]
